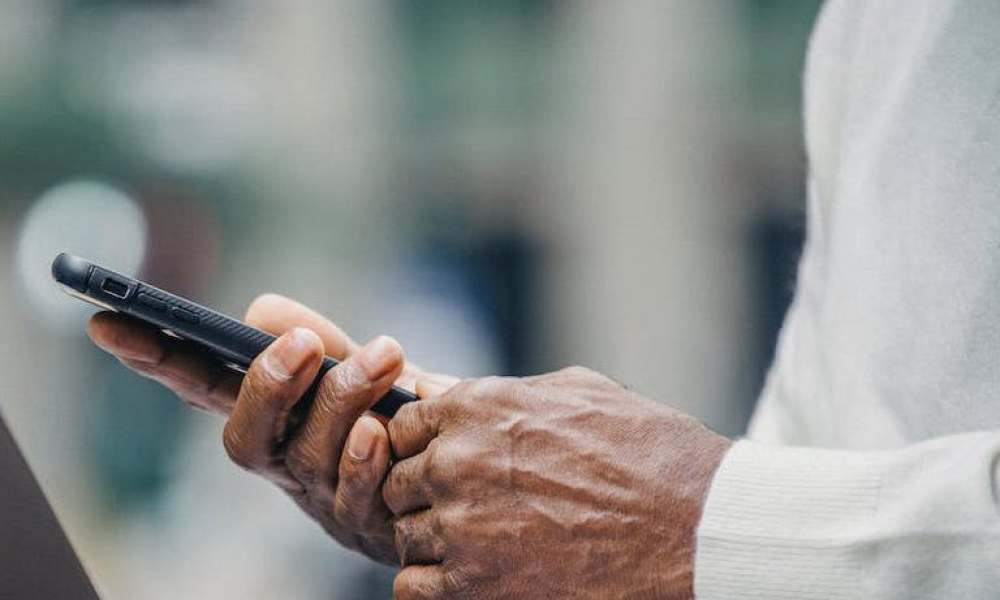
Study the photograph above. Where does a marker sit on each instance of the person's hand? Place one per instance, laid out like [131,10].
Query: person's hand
[557,486]
[334,463]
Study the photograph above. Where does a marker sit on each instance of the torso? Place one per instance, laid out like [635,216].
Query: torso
[894,335]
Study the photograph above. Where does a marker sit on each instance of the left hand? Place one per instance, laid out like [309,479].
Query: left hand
[561,485]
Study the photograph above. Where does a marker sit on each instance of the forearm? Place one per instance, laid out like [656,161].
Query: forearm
[785,522]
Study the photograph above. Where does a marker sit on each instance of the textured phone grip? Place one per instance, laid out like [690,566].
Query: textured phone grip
[238,342]
[232,341]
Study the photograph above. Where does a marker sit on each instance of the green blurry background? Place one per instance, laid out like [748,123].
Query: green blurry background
[506,187]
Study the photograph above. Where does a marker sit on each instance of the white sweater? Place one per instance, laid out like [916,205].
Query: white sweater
[871,469]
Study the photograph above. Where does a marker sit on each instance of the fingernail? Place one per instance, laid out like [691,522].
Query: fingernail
[289,354]
[361,442]
[379,357]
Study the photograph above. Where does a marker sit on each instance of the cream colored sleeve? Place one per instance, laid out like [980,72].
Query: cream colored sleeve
[784,523]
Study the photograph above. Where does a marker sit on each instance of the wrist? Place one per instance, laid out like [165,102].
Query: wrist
[691,464]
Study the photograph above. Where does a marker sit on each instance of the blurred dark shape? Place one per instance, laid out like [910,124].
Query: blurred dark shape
[504,269]
[776,244]
[500,272]
[36,559]
[184,240]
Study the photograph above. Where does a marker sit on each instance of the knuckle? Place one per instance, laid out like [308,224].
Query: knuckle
[486,386]
[403,418]
[342,387]
[579,371]
[462,389]
[470,392]
[453,468]
[301,463]
[459,463]
[357,482]
[585,374]
[347,511]
[351,378]
[401,587]
[519,393]
[390,492]
[416,471]
[259,384]
[400,532]
[189,390]
[403,538]
[198,389]
[438,464]
[455,582]
[499,393]
[407,533]
[452,518]
[235,446]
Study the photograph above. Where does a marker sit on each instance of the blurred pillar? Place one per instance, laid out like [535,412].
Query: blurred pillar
[320,183]
[647,281]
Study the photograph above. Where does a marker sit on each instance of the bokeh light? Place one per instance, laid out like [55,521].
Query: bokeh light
[88,218]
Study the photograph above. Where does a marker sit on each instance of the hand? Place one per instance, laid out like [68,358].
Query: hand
[341,490]
[562,485]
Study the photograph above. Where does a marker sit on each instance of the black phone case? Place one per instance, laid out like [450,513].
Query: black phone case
[233,342]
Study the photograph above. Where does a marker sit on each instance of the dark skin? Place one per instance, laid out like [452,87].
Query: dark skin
[556,486]
[334,465]
[561,485]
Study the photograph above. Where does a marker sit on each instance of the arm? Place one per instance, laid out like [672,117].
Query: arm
[786,522]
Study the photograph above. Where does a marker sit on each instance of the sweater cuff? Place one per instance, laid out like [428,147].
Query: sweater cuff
[786,523]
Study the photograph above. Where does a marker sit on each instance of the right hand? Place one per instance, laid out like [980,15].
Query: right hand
[334,464]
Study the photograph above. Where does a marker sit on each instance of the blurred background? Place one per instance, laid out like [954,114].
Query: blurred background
[506,187]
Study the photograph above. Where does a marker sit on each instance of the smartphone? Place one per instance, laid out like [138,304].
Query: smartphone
[232,342]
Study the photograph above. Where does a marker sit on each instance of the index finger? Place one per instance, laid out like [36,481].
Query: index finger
[277,314]
[196,377]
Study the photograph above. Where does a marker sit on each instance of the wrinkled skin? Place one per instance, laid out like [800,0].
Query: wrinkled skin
[333,465]
[562,485]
